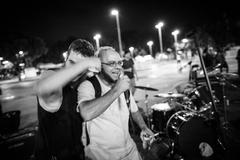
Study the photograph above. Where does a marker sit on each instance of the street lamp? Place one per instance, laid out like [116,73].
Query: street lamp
[115,13]
[184,40]
[150,43]
[175,33]
[131,49]
[159,27]
[97,37]
[184,45]
[1,58]
[20,52]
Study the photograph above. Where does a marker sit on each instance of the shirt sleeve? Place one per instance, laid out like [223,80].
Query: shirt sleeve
[85,92]
[133,105]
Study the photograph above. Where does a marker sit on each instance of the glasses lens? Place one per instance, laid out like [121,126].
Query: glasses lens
[120,63]
[114,63]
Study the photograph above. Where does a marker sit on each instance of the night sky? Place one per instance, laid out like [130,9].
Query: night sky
[56,20]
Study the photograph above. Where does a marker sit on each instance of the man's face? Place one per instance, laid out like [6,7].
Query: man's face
[111,65]
[128,55]
[73,58]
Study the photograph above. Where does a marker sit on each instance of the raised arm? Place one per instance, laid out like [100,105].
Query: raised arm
[49,88]
[93,107]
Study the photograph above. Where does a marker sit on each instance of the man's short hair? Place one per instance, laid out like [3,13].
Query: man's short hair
[104,49]
[82,47]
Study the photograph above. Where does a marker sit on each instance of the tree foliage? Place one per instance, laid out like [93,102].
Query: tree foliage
[33,47]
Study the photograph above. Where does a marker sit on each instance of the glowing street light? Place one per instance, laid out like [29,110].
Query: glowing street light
[175,33]
[159,27]
[97,37]
[20,52]
[185,40]
[1,58]
[131,49]
[114,12]
[5,62]
[150,43]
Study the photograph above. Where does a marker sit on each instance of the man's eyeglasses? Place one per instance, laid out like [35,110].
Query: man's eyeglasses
[114,63]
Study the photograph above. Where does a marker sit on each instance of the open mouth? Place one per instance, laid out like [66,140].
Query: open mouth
[116,74]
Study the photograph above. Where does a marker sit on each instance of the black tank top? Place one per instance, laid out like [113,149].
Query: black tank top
[61,131]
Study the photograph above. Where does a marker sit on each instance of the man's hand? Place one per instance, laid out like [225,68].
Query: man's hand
[147,137]
[94,66]
[123,84]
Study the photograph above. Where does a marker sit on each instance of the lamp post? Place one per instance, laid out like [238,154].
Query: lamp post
[150,43]
[175,33]
[131,49]
[20,65]
[115,13]
[159,27]
[97,37]
[185,46]
[1,58]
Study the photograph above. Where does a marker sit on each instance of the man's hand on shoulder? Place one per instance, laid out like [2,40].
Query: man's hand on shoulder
[94,66]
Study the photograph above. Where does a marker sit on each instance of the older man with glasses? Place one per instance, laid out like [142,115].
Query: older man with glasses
[107,116]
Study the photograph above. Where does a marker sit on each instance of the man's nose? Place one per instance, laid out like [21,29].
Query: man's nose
[119,67]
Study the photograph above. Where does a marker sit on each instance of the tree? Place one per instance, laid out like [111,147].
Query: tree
[56,50]
[37,48]
[33,47]
[201,37]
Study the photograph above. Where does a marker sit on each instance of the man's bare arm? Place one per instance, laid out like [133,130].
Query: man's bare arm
[93,108]
[52,83]
[137,117]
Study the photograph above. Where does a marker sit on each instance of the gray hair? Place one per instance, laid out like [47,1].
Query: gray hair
[103,50]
